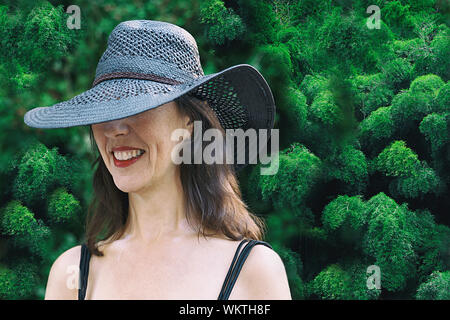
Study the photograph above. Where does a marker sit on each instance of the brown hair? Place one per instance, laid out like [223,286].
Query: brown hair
[212,191]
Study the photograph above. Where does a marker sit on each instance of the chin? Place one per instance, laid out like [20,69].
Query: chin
[125,185]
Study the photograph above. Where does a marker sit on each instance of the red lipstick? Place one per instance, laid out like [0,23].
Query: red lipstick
[124,148]
[125,163]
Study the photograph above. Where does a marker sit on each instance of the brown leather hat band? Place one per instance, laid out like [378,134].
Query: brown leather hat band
[134,75]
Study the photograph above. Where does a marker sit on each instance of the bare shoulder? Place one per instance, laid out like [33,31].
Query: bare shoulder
[220,243]
[263,276]
[63,277]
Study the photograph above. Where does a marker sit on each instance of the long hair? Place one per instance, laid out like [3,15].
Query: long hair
[214,199]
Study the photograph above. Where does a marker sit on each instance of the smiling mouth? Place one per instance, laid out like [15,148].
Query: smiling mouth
[124,156]
[126,162]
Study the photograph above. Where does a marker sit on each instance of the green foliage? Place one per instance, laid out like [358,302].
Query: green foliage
[436,288]
[343,283]
[39,171]
[344,212]
[347,38]
[276,61]
[283,225]
[435,128]
[430,243]
[19,282]
[260,20]
[31,40]
[324,110]
[414,177]
[299,170]
[419,183]
[399,98]
[440,45]
[296,110]
[397,238]
[8,283]
[397,73]
[377,128]
[62,207]
[312,85]
[397,160]
[389,241]
[428,84]
[334,71]
[407,48]
[408,108]
[432,56]
[46,30]
[25,230]
[372,92]
[428,50]
[308,8]
[397,17]
[223,23]
[442,103]
[348,165]
[332,283]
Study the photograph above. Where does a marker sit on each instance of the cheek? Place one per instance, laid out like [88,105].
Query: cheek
[164,149]
[157,131]
[100,143]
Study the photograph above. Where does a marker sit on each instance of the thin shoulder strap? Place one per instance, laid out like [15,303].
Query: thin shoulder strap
[227,278]
[85,257]
[235,268]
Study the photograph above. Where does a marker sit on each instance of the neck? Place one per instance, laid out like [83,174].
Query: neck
[158,212]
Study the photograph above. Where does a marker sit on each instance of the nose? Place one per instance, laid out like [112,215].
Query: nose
[115,128]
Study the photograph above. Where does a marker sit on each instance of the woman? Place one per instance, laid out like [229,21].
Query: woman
[148,213]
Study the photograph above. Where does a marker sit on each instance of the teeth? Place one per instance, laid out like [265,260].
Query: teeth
[126,155]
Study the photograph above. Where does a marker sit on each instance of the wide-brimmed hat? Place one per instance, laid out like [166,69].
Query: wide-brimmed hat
[149,63]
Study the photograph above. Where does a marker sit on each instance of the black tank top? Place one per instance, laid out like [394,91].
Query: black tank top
[228,284]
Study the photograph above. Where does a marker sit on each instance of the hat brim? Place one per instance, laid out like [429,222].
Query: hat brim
[239,96]
[120,98]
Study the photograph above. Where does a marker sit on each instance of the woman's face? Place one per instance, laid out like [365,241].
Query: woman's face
[150,131]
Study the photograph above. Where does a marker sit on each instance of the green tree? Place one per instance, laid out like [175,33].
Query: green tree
[298,170]
[371,92]
[436,288]
[343,283]
[376,130]
[346,217]
[389,241]
[223,23]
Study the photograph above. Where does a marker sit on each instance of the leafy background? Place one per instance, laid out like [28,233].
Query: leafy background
[364,135]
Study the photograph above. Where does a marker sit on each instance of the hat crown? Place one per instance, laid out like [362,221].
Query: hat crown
[151,47]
